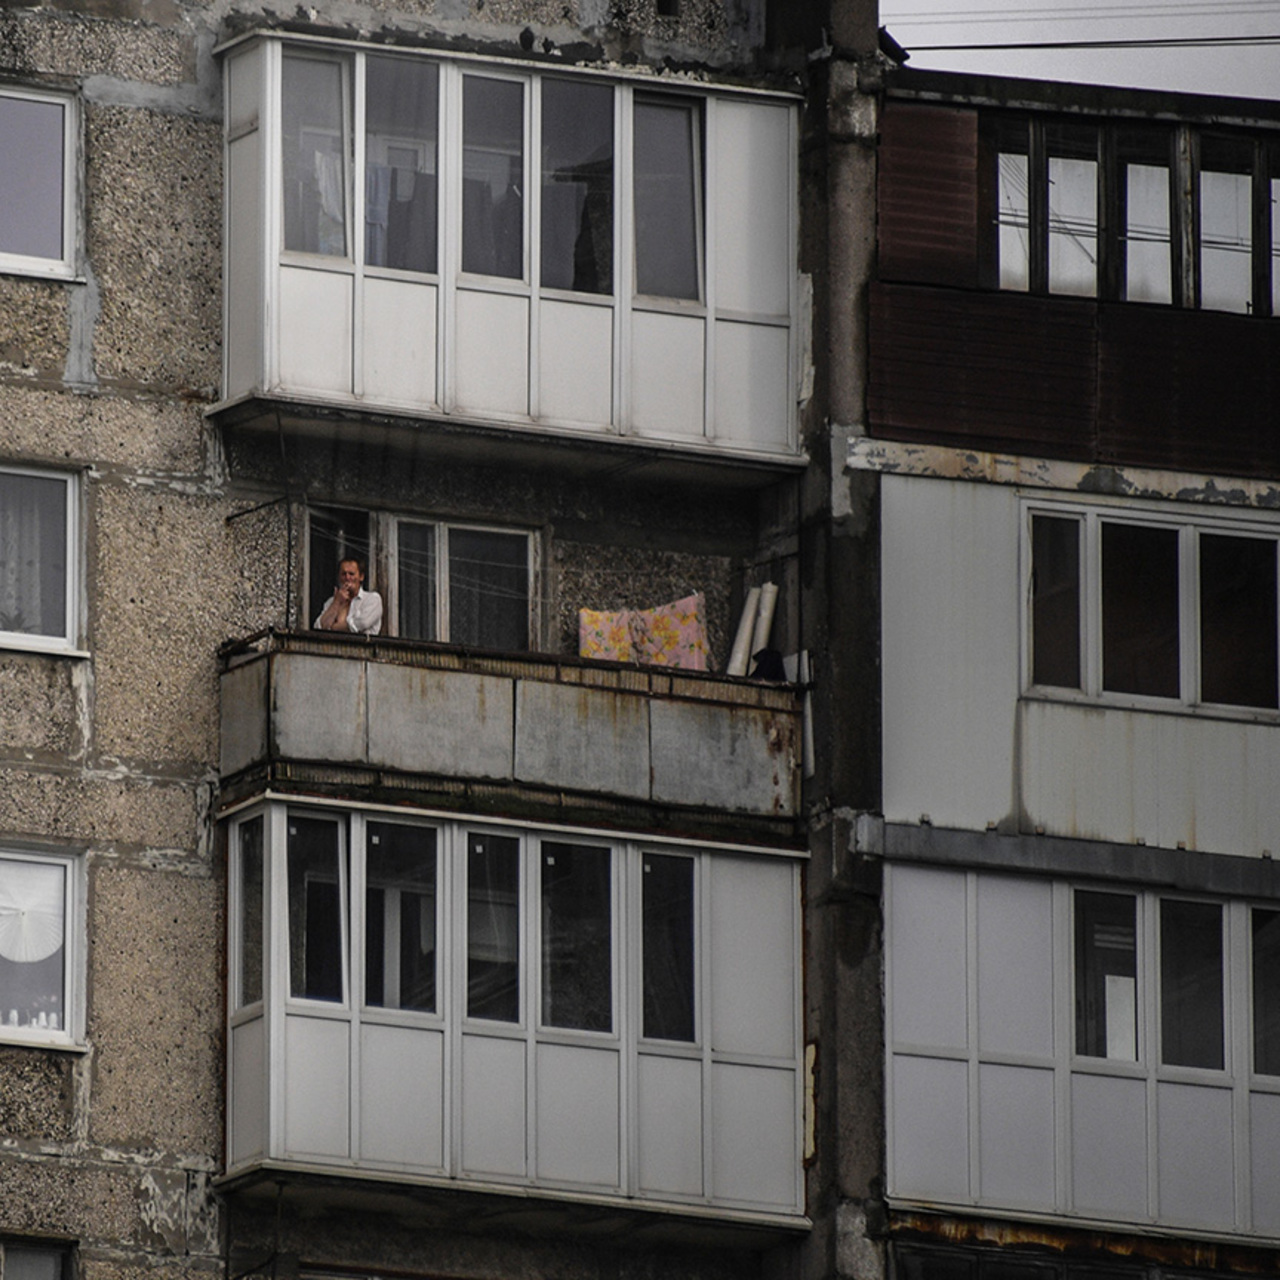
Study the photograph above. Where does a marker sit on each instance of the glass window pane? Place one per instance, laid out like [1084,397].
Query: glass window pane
[33,956]
[400,917]
[493,927]
[21,1263]
[489,589]
[315,910]
[400,187]
[668,198]
[32,138]
[1073,209]
[416,567]
[1106,976]
[1266,992]
[1238,620]
[577,943]
[667,907]
[1140,610]
[315,156]
[1013,204]
[334,535]
[922,1264]
[493,177]
[33,554]
[1274,192]
[1226,224]
[1191,984]
[1055,601]
[1146,243]
[577,186]
[251,868]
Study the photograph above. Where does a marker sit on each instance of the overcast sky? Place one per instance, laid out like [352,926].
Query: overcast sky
[1246,70]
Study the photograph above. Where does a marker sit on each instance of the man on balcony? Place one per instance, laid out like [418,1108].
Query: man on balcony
[351,607]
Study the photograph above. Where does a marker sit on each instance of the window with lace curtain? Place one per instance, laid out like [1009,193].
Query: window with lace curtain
[38,896]
[38,546]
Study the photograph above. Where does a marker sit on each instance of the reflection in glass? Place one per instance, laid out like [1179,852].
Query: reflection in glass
[1238,620]
[33,1264]
[316,188]
[1073,209]
[577,186]
[493,927]
[416,569]
[31,144]
[668,196]
[1013,203]
[1226,224]
[400,187]
[577,945]
[1106,967]
[1191,1004]
[33,554]
[315,910]
[1146,244]
[250,912]
[400,917]
[33,956]
[667,908]
[493,177]
[1140,651]
[1055,601]
[1266,991]
[489,589]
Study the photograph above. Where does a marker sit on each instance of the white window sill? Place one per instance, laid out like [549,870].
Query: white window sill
[25,644]
[16,1040]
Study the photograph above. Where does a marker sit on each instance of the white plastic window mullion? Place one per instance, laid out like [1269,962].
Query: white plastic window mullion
[533,236]
[624,253]
[1063,1035]
[1147,922]
[356,194]
[1239,1056]
[449,170]
[705,204]
[627,1006]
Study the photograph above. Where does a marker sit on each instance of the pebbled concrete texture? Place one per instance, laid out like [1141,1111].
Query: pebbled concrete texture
[163,600]
[36,331]
[43,701]
[155,998]
[36,1095]
[156,249]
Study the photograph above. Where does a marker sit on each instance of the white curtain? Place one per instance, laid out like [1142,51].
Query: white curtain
[33,554]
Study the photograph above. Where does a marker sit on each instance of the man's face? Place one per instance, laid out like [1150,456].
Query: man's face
[349,576]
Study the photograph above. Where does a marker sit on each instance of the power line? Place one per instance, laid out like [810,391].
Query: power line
[1190,42]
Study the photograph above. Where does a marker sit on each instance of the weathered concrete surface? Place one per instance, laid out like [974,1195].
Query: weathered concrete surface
[155,1004]
[37,1091]
[45,706]
[156,252]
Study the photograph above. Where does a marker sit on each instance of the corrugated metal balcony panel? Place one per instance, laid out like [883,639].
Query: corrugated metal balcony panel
[1196,390]
[431,719]
[928,194]
[996,371]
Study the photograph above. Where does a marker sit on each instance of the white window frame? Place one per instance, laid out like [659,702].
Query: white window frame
[71,1033]
[64,267]
[68,642]
[443,529]
[1188,527]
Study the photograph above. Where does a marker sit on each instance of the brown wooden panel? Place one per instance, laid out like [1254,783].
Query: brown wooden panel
[928,194]
[1192,390]
[983,370]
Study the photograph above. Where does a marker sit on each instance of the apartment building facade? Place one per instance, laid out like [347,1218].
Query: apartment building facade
[436,949]
[1071,421]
